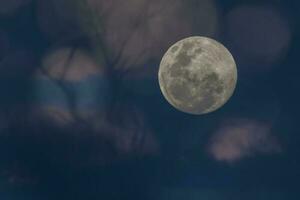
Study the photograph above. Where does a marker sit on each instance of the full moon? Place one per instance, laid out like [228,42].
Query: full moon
[197,75]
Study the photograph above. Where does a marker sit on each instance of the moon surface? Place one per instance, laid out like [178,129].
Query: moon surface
[197,75]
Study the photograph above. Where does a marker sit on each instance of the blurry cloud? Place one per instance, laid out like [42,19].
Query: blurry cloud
[258,34]
[129,132]
[122,135]
[8,7]
[72,90]
[241,138]
[54,114]
[128,35]
[136,31]
[133,35]
[71,85]
[70,64]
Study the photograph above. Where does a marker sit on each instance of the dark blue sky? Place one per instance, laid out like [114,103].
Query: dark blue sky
[96,126]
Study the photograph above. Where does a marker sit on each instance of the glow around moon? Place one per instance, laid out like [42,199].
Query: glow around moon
[197,75]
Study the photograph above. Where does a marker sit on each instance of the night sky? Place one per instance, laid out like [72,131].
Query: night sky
[82,115]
